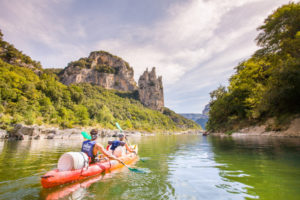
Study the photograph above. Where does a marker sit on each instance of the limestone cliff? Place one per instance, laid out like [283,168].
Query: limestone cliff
[111,72]
[100,68]
[151,90]
[206,110]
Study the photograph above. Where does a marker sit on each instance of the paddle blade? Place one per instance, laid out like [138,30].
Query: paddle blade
[118,126]
[86,135]
[135,170]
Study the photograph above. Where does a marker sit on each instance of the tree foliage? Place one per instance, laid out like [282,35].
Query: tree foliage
[10,54]
[32,99]
[39,98]
[267,84]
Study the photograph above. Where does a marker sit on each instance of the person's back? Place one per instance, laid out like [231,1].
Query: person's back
[115,144]
[88,148]
[118,147]
[91,148]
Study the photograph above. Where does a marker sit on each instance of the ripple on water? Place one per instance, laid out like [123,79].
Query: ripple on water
[178,167]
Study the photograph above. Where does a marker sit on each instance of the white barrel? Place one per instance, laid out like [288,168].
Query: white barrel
[72,160]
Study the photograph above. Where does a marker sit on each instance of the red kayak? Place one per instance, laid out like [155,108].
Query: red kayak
[55,177]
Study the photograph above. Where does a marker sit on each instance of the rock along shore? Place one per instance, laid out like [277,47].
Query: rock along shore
[293,130]
[24,132]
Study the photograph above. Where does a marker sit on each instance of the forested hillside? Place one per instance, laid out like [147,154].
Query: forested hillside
[37,97]
[267,85]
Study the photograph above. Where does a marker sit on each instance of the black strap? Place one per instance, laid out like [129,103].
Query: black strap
[86,163]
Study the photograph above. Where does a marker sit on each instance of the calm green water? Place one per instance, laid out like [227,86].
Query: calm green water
[178,167]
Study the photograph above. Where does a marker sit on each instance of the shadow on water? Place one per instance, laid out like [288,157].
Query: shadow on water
[269,166]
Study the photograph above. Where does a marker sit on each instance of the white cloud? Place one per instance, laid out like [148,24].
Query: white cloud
[183,40]
[194,46]
[38,22]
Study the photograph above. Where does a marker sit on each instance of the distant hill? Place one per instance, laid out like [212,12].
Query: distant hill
[200,119]
[202,122]
[32,95]
[197,117]
[13,56]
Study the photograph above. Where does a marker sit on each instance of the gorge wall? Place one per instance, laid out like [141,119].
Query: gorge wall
[111,72]
[151,90]
[100,68]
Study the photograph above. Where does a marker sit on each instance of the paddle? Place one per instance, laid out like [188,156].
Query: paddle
[119,127]
[86,135]
[133,169]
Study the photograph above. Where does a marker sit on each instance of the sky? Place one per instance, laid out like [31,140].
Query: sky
[194,44]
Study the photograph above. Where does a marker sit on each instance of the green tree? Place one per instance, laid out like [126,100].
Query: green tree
[280,32]
[81,114]
[267,84]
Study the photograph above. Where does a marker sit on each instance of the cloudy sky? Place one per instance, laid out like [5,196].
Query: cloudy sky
[194,44]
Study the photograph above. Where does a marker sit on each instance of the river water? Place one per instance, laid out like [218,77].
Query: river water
[177,167]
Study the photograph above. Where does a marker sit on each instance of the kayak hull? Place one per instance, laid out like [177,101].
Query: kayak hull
[55,177]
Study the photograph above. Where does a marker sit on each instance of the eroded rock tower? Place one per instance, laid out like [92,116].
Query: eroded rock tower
[151,92]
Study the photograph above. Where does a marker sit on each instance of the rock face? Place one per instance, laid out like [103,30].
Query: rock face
[100,68]
[151,90]
[111,72]
[3,134]
[206,110]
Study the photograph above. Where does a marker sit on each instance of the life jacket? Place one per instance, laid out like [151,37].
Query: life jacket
[88,147]
[115,144]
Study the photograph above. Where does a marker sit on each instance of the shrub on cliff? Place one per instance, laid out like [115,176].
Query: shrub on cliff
[105,69]
[10,54]
[81,63]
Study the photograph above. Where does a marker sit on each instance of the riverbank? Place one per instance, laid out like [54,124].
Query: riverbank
[291,130]
[25,132]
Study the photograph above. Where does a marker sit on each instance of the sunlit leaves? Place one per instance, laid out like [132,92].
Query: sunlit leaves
[267,84]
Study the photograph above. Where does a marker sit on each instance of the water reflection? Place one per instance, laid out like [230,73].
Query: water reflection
[180,167]
[78,190]
[196,174]
[269,166]
[22,163]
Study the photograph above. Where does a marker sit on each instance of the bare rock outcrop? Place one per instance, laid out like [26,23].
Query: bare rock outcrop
[3,134]
[100,68]
[111,72]
[151,90]
[20,131]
